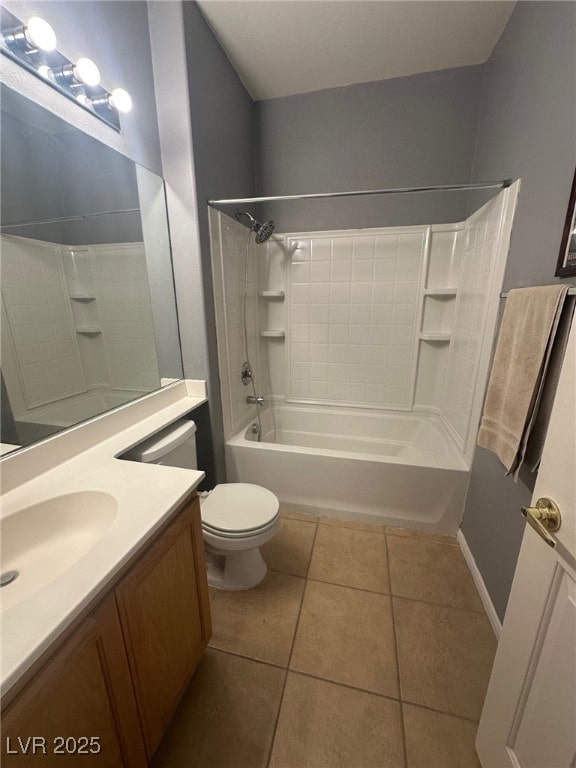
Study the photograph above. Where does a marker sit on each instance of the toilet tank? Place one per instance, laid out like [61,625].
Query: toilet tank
[174,446]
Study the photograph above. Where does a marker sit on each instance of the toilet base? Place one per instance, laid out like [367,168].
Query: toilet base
[235,570]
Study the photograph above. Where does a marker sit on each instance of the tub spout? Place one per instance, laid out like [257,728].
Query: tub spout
[255,400]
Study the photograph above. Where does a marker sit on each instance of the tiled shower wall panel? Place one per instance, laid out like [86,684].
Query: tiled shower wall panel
[352,307]
[478,267]
[46,360]
[123,295]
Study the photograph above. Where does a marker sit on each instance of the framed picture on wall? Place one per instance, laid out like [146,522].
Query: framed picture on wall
[567,259]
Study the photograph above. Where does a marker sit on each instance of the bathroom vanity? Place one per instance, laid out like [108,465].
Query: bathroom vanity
[95,661]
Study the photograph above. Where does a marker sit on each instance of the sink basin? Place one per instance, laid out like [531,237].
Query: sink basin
[43,541]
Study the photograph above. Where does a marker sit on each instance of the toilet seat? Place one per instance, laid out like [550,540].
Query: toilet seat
[239,510]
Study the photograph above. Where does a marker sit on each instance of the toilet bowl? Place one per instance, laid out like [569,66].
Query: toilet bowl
[237,518]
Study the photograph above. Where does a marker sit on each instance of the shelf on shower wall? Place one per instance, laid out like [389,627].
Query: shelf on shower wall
[88,330]
[272,295]
[440,292]
[82,297]
[272,334]
[443,338]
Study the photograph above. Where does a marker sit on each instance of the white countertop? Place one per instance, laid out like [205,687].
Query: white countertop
[146,495]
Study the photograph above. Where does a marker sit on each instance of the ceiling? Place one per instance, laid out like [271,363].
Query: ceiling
[283,47]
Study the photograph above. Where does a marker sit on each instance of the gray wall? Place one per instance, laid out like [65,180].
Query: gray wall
[405,131]
[57,172]
[221,113]
[527,129]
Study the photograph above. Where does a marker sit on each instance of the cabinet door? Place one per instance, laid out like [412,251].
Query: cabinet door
[165,615]
[80,706]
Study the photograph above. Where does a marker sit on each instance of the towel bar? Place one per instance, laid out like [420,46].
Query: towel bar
[571,292]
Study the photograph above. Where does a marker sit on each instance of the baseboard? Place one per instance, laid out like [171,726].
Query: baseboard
[480,585]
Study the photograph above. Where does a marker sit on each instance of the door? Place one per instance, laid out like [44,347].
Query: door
[165,615]
[79,710]
[529,716]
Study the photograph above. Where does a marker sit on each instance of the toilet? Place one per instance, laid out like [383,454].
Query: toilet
[237,518]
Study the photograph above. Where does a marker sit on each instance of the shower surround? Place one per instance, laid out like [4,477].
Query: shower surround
[371,349]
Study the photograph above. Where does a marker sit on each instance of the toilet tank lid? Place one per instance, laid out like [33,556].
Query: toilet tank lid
[162,442]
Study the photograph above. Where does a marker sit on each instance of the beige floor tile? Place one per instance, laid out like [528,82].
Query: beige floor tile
[297,512]
[227,716]
[436,573]
[412,533]
[434,740]
[326,725]
[445,656]
[346,635]
[258,622]
[351,557]
[370,527]
[289,551]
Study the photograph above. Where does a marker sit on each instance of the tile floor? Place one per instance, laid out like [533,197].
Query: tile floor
[364,647]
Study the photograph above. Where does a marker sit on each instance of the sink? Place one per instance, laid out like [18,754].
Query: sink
[44,540]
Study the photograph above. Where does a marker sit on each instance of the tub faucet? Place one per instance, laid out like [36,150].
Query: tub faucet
[253,400]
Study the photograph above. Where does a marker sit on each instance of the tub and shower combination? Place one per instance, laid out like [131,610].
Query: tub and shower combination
[370,349]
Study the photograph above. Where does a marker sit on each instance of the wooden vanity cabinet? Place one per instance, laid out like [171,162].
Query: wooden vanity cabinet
[165,615]
[79,710]
[119,676]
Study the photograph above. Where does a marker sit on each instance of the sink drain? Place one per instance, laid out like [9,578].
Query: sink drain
[8,578]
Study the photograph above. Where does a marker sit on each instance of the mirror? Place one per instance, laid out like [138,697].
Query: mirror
[88,308]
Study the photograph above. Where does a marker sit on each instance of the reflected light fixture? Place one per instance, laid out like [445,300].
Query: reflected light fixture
[35,35]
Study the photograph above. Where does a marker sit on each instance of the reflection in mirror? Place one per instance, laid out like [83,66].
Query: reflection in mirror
[88,309]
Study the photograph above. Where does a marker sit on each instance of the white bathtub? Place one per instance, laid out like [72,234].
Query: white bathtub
[373,466]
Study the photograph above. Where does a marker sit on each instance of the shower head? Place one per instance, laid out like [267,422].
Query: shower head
[261,231]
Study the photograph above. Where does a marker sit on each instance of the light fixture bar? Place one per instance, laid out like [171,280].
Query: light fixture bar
[32,45]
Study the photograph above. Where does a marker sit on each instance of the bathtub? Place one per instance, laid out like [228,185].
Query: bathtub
[371,466]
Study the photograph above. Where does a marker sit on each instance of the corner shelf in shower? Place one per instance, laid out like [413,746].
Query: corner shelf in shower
[82,296]
[279,295]
[272,334]
[442,338]
[88,330]
[449,292]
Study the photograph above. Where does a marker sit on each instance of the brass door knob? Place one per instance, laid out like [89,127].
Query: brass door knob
[544,517]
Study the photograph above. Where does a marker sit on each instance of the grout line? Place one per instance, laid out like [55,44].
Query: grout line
[441,605]
[441,712]
[344,685]
[426,537]
[391,594]
[248,658]
[291,650]
[399,682]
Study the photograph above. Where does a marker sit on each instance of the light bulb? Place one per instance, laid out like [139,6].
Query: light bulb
[120,100]
[45,72]
[87,72]
[40,34]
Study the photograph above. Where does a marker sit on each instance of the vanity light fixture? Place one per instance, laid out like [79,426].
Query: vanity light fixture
[119,99]
[84,72]
[36,35]
[32,45]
